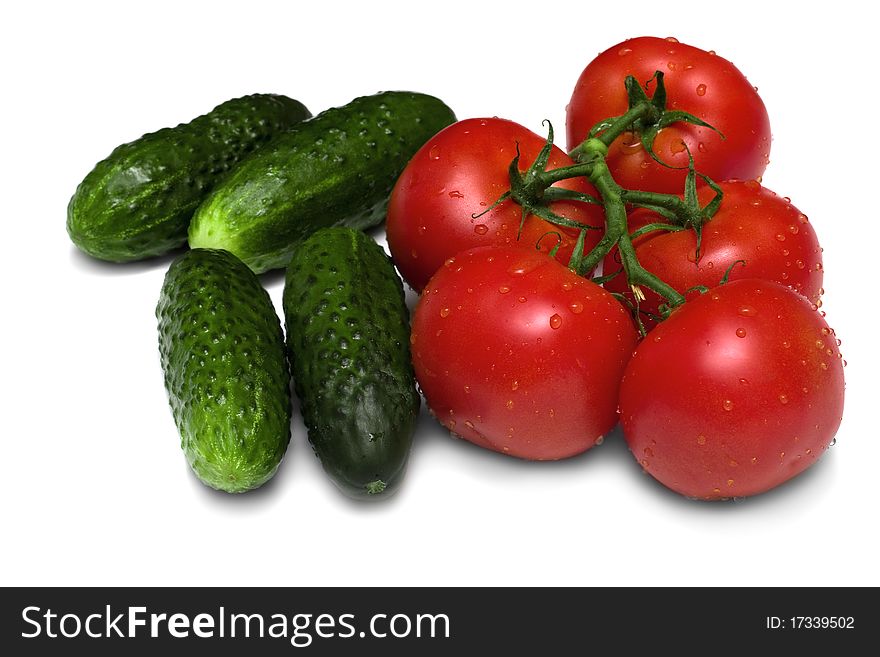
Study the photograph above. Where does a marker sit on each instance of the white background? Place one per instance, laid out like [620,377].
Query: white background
[95,487]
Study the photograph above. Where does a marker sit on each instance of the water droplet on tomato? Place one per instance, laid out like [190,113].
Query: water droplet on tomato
[793,229]
[744,382]
[780,237]
[784,276]
[523,300]
[504,289]
[701,147]
[481,229]
[469,424]
[455,194]
[727,405]
[783,398]
[701,89]
[624,51]
[555,321]
[740,333]
[701,439]
[713,53]
[444,312]
[671,39]
[823,366]
[567,286]
[755,202]
[648,452]
[576,307]
[434,152]
[747,311]
[803,218]
[677,146]
[729,483]
[509,403]
[521,269]
[630,144]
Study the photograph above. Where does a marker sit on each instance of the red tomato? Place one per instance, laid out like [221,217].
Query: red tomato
[753,224]
[738,391]
[461,172]
[516,353]
[699,82]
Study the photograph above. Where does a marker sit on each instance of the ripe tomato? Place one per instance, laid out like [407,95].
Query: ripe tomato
[516,353]
[460,172]
[753,224]
[736,392]
[699,82]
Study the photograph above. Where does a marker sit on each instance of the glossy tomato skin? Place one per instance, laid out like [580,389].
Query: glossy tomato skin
[517,354]
[699,82]
[738,391]
[460,172]
[754,224]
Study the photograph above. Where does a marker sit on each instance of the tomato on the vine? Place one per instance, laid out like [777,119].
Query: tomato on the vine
[461,172]
[736,392]
[516,353]
[770,236]
[698,82]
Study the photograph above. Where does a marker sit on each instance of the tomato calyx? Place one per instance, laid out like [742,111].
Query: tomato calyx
[532,192]
[646,117]
[682,213]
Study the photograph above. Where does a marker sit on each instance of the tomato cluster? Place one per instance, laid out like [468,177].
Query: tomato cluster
[646,276]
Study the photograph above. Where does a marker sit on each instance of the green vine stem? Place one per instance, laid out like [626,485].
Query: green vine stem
[617,232]
[646,116]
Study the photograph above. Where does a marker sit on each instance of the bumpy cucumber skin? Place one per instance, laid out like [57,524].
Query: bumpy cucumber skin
[138,202]
[336,169]
[348,344]
[226,373]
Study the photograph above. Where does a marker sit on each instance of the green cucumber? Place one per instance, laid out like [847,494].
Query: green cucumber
[226,373]
[138,202]
[348,344]
[336,169]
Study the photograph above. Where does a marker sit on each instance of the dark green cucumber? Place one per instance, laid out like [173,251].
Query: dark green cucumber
[336,169]
[348,344]
[226,371]
[139,201]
